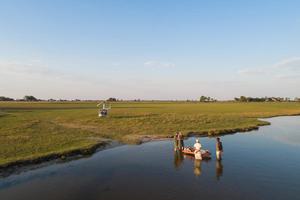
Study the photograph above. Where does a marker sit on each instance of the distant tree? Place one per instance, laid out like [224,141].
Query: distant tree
[262,99]
[279,99]
[30,98]
[243,99]
[269,99]
[203,98]
[2,98]
[112,99]
[236,99]
[207,99]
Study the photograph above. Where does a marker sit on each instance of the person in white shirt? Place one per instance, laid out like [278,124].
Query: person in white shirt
[197,151]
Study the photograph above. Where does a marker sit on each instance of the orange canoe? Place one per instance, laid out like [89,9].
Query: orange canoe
[205,154]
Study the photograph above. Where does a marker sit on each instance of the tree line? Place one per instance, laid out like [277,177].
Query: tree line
[25,98]
[33,98]
[201,99]
[265,99]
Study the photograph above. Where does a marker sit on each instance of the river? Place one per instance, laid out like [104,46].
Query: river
[262,164]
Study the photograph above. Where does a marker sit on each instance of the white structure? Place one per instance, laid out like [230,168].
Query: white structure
[104,107]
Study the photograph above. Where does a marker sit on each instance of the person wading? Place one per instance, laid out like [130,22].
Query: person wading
[219,149]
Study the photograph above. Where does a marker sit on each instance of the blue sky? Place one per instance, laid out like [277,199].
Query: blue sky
[159,49]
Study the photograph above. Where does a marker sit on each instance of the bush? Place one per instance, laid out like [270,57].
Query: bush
[2,98]
[30,98]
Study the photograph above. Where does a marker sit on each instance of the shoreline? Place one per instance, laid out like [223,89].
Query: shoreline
[12,167]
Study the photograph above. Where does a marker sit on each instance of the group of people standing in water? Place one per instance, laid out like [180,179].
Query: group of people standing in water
[198,153]
[197,149]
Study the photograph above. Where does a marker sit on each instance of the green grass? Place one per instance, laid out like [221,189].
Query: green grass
[32,130]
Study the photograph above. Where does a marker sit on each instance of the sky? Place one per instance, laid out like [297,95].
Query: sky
[142,49]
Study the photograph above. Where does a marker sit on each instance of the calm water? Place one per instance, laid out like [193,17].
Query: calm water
[262,164]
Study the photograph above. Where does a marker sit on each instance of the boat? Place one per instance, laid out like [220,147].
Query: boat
[190,151]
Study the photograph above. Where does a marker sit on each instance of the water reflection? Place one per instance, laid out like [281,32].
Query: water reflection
[286,130]
[178,159]
[197,167]
[219,169]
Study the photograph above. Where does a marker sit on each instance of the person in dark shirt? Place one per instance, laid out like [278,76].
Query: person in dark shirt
[219,149]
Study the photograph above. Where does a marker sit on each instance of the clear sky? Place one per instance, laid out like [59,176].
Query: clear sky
[149,49]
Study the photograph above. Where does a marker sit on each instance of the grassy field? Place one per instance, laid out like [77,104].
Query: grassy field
[33,130]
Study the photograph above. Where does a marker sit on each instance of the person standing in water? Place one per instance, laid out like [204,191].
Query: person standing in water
[197,151]
[176,142]
[219,149]
[180,141]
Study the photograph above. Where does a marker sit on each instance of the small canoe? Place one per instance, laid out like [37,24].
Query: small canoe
[205,153]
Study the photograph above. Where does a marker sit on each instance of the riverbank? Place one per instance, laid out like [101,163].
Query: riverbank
[11,167]
[36,132]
